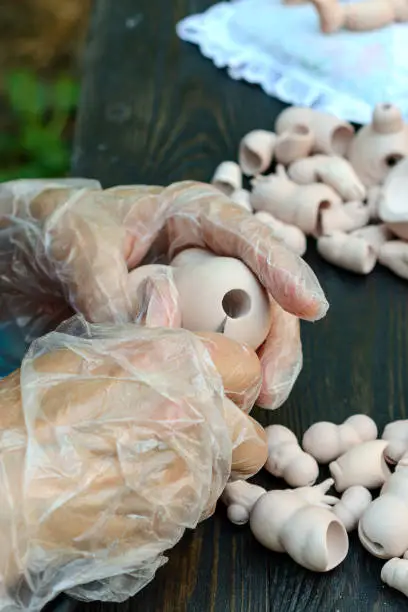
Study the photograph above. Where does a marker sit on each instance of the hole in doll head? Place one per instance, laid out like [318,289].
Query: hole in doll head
[302,130]
[341,138]
[336,544]
[387,106]
[393,159]
[236,303]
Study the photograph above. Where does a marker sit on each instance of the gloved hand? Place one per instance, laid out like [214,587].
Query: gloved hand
[114,440]
[65,245]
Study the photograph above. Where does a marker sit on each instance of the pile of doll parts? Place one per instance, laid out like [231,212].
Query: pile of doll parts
[347,189]
[310,525]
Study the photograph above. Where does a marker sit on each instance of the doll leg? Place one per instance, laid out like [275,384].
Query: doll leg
[331,15]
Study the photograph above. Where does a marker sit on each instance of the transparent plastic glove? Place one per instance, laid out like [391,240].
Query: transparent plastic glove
[281,357]
[67,245]
[114,440]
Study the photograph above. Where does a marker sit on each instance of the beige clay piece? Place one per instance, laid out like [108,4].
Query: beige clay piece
[352,505]
[378,147]
[292,203]
[348,252]
[332,170]
[395,574]
[375,235]
[396,434]
[383,528]
[326,441]
[294,144]
[392,202]
[287,460]
[300,522]
[240,497]
[363,465]
[332,135]
[359,16]
[242,197]
[394,255]
[290,235]
[256,151]
[227,177]
[221,294]
[346,218]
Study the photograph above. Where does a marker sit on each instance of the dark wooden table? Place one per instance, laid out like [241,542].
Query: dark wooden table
[154,111]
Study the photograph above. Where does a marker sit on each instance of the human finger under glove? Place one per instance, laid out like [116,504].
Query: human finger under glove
[115,440]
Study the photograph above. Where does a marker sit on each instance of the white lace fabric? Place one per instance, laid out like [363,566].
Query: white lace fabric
[281,49]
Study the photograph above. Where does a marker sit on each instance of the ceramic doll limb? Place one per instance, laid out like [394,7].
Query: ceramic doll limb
[286,521]
[358,16]
[383,528]
[294,144]
[395,574]
[292,203]
[227,177]
[332,135]
[333,170]
[394,255]
[375,235]
[327,441]
[242,197]
[396,433]
[377,155]
[281,358]
[346,218]
[287,460]
[240,497]
[256,152]
[347,251]
[290,235]
[352,505]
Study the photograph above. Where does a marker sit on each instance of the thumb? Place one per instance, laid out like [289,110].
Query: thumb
[154,296]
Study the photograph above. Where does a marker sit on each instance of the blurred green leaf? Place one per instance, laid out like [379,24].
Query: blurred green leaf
[33,139]
[36,145]
[28,170]
[26,94]
[47,148]
[32,169]
[65,94]
[56,160]
[9,144]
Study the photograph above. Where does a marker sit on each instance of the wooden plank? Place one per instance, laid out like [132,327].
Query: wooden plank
[155,111]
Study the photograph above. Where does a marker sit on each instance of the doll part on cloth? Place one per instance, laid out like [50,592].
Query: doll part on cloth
[305,67]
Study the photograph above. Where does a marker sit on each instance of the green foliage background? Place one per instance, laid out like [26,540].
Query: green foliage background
[37,140]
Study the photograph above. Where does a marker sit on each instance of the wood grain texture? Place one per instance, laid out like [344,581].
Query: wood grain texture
[154,111]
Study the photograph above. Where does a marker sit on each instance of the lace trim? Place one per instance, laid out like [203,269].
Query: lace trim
[277,78]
